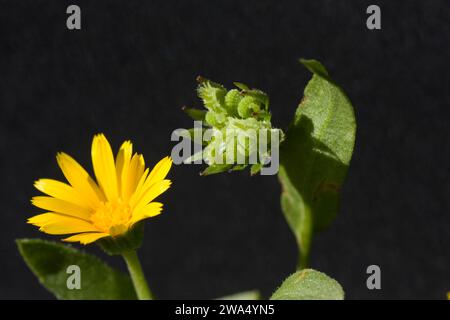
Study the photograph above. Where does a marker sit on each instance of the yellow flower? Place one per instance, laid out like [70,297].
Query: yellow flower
[91,211]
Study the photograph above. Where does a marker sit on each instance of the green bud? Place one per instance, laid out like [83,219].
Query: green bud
[247,106]
[210,118]
[237,118]
[213,96]
[232,99]
[215,119]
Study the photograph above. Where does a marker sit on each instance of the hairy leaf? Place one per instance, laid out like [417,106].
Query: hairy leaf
[195,114]
[216,168]
[309,284]
[315,156]
[49,262]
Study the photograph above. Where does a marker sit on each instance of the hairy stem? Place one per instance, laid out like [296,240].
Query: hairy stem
[137,275]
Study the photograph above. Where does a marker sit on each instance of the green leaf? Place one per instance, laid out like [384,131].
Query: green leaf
[49,262]
[246,295]
[309,284]
[315,156]
[239,167]
[195,114]
[255,168]
[241,86]
[216,168]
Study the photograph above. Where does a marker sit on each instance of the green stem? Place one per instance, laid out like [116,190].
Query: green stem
[137,276]
[303,260]
[305,239]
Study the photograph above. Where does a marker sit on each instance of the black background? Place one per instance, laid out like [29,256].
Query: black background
[133,65]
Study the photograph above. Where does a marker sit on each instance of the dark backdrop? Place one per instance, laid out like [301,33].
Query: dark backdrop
[133,65]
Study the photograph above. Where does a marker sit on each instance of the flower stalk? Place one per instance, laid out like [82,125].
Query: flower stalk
[137,275]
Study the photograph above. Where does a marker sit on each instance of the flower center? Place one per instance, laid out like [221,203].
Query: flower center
[112,217]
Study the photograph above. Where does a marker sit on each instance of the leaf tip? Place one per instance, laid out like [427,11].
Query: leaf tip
[315,67]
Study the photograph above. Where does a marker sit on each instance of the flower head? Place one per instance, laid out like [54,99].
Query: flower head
[240,121]
[122,196]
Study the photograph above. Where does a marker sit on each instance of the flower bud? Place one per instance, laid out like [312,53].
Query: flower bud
[215,119]
[232,99]
[247,107]
[238,119]
[213,95]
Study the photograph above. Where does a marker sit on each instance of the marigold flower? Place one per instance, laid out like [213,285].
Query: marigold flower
[122,196]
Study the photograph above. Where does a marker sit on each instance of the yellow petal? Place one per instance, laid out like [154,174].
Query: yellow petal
[79,179]
[53,223]
[158,173]
[150,210]
[61,206]
[61,191]
[151,193]
[104,167]
[138,190]
[134,174]
[160,170]
[85,238]
[123,163]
